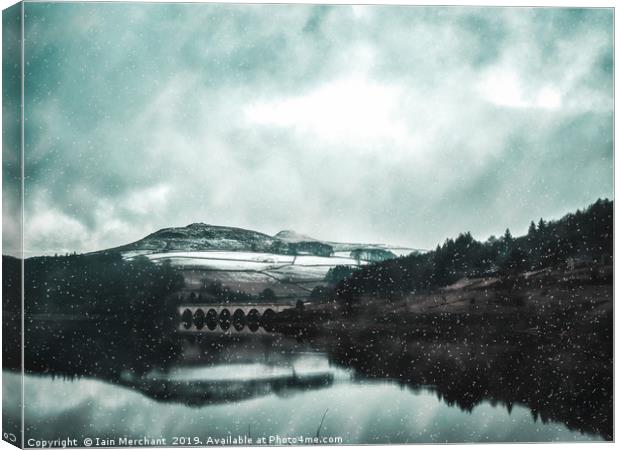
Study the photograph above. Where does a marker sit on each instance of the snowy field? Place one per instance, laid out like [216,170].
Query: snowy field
[222,260]
[252,267]
[253,258]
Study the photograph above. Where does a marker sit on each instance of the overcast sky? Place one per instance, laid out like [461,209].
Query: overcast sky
[403,125]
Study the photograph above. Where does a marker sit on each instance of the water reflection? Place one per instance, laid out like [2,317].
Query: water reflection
[234,383]
[557,383]
[384,390]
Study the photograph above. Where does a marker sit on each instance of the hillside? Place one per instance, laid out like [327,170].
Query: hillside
[205,237]
[289,264]
[202,237]
[292,237]
[580,239]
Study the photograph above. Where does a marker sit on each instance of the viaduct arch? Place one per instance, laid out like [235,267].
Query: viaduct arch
[225,317]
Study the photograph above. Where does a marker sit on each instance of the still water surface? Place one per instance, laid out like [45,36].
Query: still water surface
[276,387]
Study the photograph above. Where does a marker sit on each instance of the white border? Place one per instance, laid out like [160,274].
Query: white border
[530,3]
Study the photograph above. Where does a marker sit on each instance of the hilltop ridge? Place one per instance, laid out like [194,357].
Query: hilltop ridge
[200,236]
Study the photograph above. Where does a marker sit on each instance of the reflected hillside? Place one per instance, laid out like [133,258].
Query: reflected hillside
[166,369]
[557,382]
[212,392]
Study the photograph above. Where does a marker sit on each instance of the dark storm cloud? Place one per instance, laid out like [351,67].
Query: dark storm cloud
[399,124]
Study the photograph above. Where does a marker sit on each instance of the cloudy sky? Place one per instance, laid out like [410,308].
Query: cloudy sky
[404,125]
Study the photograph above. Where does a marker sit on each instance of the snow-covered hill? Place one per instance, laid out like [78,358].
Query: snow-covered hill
[341,248]
[290,264]
[293,236]
[201,236]
[205,237]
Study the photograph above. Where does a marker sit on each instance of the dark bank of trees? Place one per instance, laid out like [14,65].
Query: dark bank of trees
[128,303]
[338,273]
[100,286]
[11,284]
[217,292]
[584,237]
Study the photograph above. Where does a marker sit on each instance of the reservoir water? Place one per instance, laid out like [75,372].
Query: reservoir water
[275,388]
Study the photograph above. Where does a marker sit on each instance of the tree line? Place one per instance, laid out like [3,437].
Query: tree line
[94,286]
[586,235]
